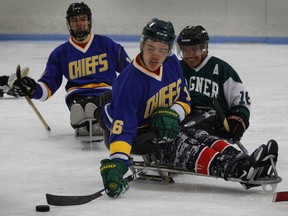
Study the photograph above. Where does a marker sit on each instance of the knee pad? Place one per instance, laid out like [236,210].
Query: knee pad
[77,115]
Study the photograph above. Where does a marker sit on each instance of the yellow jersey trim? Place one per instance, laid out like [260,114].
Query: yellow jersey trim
[120,147]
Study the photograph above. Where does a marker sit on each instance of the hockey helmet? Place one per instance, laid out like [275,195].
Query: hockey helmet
[76,9]
[191,35]
[159,30]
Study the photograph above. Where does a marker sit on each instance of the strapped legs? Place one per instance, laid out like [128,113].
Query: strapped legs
[82,119]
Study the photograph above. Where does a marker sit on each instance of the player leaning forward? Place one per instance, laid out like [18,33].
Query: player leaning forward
[159,101]
[88,61]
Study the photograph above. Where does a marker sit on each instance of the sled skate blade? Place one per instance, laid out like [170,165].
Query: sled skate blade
[268,183]
[88,139]
[91,132]
[155,179]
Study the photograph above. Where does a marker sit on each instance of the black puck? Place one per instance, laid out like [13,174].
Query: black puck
[42,208]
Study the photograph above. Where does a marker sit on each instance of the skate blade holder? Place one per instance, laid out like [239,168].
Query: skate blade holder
[270,182]
[275,178]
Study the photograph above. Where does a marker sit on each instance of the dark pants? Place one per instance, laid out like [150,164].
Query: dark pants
[209,125]
[138,148]
[82,100]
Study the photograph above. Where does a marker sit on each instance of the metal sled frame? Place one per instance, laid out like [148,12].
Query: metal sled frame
[164,173]
[90,138]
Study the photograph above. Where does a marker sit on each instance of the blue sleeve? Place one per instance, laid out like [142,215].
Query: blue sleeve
[53,74]
[51,79]
[126,110]
[119,55]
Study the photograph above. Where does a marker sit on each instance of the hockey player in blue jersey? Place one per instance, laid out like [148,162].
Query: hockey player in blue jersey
[151,87]
[88,61]
[151,94]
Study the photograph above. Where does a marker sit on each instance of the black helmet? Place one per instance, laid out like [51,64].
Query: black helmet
[76,9]
[159,30]
[193,35]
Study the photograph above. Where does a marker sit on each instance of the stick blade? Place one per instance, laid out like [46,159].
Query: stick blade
[59,200]
[280,196]
[18,72]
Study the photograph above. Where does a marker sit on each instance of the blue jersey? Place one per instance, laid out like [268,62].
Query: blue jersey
[89,70]
[136,93]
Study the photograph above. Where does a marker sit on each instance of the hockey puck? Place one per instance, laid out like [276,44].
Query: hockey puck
[42,208]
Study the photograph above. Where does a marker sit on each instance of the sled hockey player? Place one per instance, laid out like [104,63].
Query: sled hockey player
[89,62]
[209,77]
[159,102]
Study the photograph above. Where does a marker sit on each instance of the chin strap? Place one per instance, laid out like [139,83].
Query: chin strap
[81,37]
[141,58]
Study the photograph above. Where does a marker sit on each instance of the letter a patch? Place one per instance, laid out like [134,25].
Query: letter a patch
[216,70]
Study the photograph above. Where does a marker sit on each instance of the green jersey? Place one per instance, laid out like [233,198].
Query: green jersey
[215,78]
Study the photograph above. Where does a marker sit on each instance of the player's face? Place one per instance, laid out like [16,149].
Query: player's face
[154,54]
[193,55]
[79,23]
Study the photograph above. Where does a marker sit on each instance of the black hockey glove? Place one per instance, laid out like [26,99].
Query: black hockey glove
[4,80]
[24,86]
[165,122]
[112,172]
[238,124]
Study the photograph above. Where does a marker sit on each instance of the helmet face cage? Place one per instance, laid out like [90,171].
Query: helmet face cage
[143,39]
[158,30]
[196,49]
[74,10]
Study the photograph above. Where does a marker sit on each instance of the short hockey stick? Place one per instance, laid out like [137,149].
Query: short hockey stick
[59,200]
[280,196]
[28,99]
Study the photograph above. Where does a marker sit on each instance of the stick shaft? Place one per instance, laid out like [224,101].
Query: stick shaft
[221,114]
[37,113]
[28,99]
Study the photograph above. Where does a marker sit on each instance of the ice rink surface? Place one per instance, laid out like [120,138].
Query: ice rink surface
[34,162]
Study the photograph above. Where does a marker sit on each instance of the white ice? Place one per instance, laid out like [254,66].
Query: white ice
[34,162]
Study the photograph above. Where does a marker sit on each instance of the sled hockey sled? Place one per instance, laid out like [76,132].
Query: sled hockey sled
[164,173]
[86,126]
[89,137]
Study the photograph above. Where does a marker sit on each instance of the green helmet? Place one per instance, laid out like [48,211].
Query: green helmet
[159,30]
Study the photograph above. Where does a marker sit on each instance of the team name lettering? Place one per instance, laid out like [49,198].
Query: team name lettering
[165,97]
[88,66]
[109,166]
[203,86]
